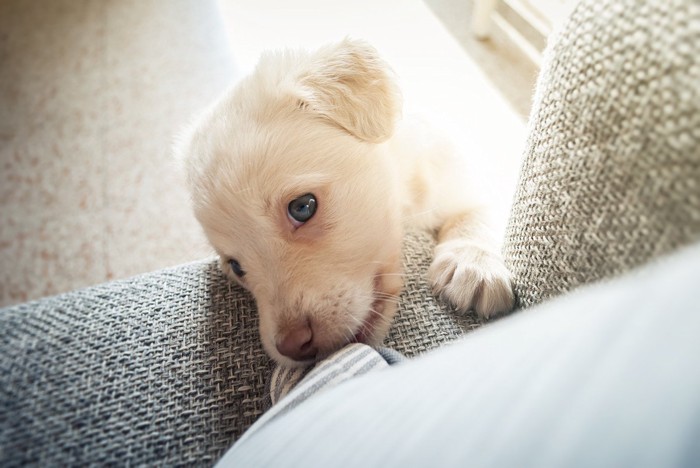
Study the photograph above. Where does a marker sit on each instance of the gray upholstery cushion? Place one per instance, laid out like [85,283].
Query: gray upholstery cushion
[161,369]
[611,174]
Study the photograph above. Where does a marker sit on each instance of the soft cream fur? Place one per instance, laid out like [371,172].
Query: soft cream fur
[326,123]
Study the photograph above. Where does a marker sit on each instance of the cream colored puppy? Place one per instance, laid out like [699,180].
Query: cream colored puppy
[302,180]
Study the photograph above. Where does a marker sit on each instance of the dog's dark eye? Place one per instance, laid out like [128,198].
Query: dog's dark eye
[302,209]
[236,267]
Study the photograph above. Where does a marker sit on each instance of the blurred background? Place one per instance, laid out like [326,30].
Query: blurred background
[93,93]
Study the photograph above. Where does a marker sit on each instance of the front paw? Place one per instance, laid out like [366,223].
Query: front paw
[471,277]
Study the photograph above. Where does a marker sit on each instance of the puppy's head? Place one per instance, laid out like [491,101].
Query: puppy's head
[295,191]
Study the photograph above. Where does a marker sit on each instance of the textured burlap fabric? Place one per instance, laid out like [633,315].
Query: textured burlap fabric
[611,174]
[162,369]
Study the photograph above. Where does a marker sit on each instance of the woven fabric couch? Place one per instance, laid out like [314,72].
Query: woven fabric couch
[167,369]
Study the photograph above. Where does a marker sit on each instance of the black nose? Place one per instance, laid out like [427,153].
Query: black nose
[297,343]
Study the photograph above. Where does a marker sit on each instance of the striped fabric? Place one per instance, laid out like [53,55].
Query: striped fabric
[291,386]
[341,364]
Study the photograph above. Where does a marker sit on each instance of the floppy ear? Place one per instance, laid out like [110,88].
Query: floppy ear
[349,84]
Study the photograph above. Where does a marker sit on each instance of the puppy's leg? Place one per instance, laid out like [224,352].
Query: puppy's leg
[468,270]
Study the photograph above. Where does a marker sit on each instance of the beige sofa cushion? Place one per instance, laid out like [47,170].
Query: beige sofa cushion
[611,173]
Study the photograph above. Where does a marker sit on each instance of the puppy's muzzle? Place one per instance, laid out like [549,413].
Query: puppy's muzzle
[297,342]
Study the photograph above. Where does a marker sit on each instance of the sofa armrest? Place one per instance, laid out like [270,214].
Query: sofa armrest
[160,369]
[612,161]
